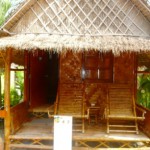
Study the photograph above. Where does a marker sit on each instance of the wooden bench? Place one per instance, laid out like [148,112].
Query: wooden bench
[121,109]
[70,102]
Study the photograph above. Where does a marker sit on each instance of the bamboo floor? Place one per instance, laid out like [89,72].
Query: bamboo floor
[38,133]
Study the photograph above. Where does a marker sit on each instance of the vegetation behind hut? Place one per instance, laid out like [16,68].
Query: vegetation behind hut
[4,6]
[143,92]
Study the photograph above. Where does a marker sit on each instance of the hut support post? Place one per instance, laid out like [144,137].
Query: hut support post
[7,97]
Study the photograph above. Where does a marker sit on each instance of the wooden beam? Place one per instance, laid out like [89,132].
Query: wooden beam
[7,97]
[26,76]
[31,146]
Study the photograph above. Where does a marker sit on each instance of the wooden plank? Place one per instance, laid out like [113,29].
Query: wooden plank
[31,137]
[86,148]
[44,131]
[43,108]
[26,77]
[30,146]
[2,113]
[123,131]
[19,115]
[74,148]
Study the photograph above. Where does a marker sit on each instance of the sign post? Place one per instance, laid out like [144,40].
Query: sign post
[62,133]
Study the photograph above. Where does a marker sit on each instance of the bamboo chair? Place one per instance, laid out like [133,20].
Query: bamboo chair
[71,102]
[121,109]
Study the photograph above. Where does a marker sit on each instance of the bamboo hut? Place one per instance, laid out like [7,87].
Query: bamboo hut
[77,55]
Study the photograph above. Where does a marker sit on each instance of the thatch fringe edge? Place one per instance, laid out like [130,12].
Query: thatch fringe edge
[61,43]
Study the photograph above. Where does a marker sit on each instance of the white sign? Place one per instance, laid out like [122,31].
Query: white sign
[62,133]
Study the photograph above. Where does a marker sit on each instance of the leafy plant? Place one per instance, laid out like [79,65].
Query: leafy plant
[143,91]
[4,6]
[17,92]
[20,82]
[14,96]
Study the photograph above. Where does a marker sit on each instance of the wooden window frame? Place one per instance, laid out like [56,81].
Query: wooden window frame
[98,68]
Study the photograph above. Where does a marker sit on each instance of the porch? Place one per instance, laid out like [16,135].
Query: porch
[38,134]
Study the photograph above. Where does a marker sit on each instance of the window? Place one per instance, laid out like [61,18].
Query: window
[17,78]
[97,66]
[143,80]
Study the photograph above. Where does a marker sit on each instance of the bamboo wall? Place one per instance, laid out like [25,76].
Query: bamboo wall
[124,68]
[95,90]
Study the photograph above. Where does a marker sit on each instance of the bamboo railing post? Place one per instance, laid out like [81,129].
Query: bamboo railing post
[7,98]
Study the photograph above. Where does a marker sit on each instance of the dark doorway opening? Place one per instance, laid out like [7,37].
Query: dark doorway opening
[44,71]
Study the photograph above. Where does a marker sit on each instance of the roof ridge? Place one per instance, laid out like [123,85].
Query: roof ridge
[14,7]
[144,7]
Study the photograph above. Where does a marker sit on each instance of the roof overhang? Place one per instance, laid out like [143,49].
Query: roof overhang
[61,43]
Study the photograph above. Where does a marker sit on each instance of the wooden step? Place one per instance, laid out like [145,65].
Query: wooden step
[123,126]
[30,137]
[30,146]
[123,131]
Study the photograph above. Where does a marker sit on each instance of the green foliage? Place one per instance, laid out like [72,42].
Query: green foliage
[17,92]
[14,96]
[4,6]
[143,91]
[20,82]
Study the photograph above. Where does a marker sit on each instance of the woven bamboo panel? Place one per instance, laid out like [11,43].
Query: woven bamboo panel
[96,93]
[80,17]
[70,66]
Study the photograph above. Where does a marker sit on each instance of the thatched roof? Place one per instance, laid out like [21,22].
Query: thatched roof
[60,43]
[102,25]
